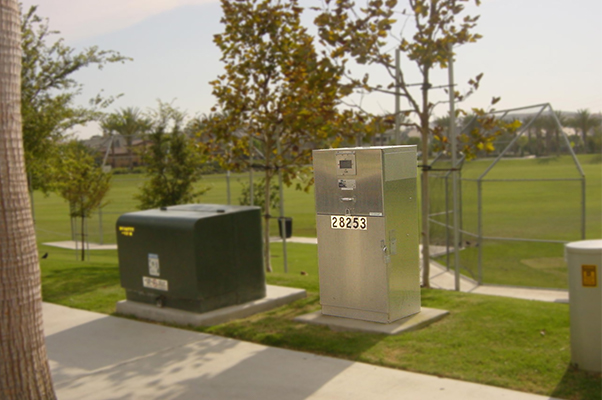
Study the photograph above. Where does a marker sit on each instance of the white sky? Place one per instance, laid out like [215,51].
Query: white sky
[533,51]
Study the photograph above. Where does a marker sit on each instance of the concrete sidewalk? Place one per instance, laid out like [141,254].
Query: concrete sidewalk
[76,245]
[441,278]
[95,356]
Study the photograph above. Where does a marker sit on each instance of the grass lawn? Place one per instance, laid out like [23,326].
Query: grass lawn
[516,344]
[546,210]
[543,210]
[535,209]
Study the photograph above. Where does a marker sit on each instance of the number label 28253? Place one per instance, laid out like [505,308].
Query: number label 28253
[349,222]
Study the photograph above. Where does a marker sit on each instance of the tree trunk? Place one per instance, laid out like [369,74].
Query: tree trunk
[424,127]
[266,226]
[24,370]
[425,215]
[83,239]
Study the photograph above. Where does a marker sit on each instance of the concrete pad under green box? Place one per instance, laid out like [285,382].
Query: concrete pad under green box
[276,296]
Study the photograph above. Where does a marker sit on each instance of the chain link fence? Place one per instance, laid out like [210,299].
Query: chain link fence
[518,206]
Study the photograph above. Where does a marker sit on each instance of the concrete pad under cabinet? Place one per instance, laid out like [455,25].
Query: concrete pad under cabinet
[276,296]
[414,322]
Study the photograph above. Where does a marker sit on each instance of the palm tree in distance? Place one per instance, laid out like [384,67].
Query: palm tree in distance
[128,122]
[583,121]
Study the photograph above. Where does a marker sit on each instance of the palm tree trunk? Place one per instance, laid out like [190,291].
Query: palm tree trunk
[24,370]
[584,138]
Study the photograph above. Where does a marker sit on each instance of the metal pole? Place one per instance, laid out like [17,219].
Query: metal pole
[447,221]
[73,224]
[251,189]
[281,219]
[480,228]
[460,203]
[452,139]
[397,97]
[228,186]
[87,241]
[583,208]
[100,225]
[74,232]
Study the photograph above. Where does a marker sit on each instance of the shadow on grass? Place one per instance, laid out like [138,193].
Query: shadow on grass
[579,385]
[66,282]
[277,328]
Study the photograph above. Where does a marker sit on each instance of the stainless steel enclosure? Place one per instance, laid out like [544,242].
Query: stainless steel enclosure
[367,226]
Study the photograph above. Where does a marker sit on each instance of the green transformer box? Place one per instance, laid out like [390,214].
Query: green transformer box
[196,257]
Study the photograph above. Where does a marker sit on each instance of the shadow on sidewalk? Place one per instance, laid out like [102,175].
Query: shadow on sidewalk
[118,358]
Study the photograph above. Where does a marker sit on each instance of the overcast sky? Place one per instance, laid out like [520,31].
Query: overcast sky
[532,52]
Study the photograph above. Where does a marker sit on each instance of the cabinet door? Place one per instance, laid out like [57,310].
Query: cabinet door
[352,263]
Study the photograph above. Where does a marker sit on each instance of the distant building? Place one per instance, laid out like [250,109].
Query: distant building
[113,151]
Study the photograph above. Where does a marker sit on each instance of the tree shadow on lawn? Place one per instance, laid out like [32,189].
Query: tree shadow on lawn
[61,283]
[579,385]
[277,328]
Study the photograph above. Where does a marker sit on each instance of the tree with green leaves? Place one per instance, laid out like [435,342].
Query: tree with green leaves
[552,125]
[277,98]
[81,182]
[258,194]
[583,121]
[49,90]
[128,122]
[436,26]
[172,162]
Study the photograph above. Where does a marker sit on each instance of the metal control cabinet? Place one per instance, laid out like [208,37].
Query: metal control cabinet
[367,226]
[197,257]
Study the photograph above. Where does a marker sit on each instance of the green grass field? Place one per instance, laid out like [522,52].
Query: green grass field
[536,210]
[541,210]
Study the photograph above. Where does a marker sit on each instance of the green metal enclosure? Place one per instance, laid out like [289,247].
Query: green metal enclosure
[196,257]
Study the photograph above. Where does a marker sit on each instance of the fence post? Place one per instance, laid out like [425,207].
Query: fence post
[281,221]
[583,208]
[447,239]
[480,228]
